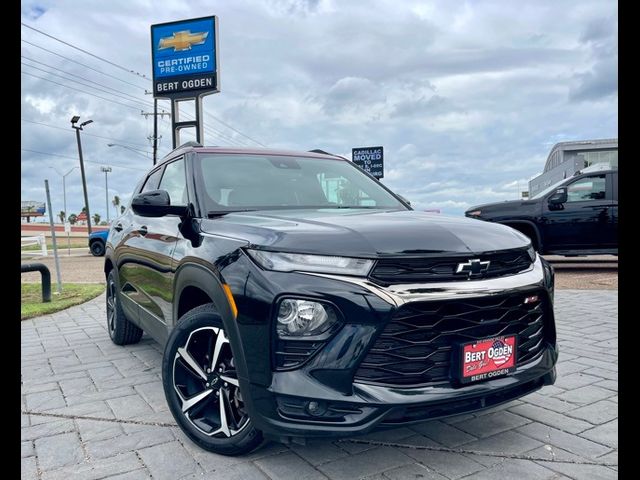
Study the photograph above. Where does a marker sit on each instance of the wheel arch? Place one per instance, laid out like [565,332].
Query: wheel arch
[193,277]
[527,227]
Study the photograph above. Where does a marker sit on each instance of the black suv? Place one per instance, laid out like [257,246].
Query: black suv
[576,216]
[296,296]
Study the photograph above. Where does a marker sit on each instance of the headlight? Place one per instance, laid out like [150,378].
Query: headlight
[290,262]
[475,213]
[532,254]
[304,318]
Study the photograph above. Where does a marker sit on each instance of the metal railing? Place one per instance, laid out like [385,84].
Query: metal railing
[46,278]
[38,240]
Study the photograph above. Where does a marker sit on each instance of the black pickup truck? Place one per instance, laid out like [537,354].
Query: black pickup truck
[577,216]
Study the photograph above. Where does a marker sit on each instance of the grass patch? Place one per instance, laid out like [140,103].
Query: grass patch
[72,294]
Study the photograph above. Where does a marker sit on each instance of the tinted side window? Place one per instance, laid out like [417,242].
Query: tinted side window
[174,182]
[589,188]
[152,181]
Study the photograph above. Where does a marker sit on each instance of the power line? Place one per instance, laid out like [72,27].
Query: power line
[81,64]
[234,129]
[75,158]
[79,90]
[89,134]
[87,52]
[134,99]
[73,75]
[208,129]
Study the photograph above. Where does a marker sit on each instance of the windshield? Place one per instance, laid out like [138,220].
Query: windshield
[542,193]
[261,182]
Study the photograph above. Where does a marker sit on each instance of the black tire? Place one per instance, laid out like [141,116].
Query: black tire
[121,330]
[97,248]
[191,346]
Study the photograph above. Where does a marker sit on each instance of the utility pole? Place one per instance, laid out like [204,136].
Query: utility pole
[106,171]
[155,124]
[74,120]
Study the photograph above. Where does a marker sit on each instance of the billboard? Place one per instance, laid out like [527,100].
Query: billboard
[185,57]
[370,159]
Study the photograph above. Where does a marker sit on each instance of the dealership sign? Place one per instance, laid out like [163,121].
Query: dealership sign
[185,57]
[370,159]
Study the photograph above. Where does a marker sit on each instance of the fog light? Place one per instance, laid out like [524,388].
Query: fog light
[304,318]
[316,409]
[531,299]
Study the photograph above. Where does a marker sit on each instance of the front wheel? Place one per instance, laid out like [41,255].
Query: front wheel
[201,385]
[97,248]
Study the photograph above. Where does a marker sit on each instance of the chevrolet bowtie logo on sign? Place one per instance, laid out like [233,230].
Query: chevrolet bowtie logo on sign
[185,58]
[183,40]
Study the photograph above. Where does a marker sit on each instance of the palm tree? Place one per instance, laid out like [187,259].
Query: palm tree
[96,218]
[73,218]
[116,203]
[62,215]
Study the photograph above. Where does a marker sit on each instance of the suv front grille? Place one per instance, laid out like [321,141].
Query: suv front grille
[443,269]
[416,347]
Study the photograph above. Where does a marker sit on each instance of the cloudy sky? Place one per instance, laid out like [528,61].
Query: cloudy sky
[466,97]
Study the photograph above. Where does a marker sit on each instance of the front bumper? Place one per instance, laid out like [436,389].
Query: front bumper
[321,398]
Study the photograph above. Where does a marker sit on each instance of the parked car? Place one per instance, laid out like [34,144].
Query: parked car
[577,216]
[296,296]
[97,242]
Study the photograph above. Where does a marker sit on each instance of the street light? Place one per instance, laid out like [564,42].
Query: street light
[64,187]
[106,171]
[75,120]
[134,150]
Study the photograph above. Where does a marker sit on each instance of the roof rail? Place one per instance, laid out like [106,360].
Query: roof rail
[317,150]
[190,143]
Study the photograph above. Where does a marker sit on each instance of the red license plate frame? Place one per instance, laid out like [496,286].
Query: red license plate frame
[488,358]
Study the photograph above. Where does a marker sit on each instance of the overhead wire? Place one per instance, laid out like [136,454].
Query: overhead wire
[86,51]
[84,160]
[86,133]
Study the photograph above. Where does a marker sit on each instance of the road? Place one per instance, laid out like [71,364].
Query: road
[582,273]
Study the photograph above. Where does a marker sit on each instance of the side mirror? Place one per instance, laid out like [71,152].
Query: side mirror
[404,200]
[559,197]
[155,203]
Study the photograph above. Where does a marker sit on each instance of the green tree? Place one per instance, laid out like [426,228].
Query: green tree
[96,218]
[62,215]
[73,218]
[116,203]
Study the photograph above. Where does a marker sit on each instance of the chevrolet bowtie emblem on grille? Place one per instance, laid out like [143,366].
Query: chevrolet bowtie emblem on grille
[474,268]
[183,40]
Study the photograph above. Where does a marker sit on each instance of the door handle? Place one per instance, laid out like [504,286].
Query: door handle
[118,227]
[142,230]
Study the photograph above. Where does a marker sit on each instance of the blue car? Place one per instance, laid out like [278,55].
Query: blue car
[97,242]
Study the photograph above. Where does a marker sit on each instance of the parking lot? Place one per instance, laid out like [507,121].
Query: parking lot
[91,409]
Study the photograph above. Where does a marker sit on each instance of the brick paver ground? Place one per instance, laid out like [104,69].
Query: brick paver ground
[93,410]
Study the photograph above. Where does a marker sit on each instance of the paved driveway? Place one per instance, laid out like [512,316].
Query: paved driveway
[93,410]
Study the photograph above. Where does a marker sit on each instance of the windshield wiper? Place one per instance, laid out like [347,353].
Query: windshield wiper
[222,213]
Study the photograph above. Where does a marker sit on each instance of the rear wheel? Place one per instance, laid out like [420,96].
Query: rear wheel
[121,330]
[201,385]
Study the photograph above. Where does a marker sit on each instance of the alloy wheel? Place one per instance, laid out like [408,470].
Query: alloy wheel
[206,382]
[112,300]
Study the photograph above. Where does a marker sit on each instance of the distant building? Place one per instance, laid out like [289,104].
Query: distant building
[567,158]
[31,208]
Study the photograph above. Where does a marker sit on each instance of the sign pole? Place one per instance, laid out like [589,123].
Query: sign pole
[53,237]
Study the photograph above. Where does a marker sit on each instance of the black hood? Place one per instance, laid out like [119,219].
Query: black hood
[507,210]
[364,233]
